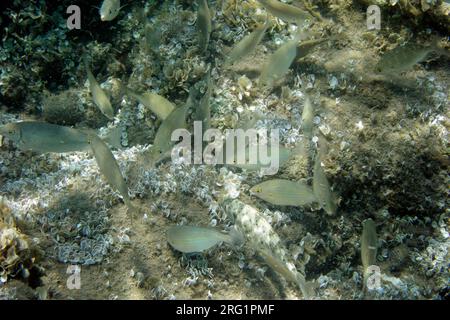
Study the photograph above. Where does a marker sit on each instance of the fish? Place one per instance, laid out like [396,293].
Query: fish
[113,137]
[322,189]
[45,137]
[284,155]
[99,96]
[282,192]
[191,239]
[109,10]
[404,57]
[247,45]
[295,277]
[204,25]
[307,117]
[109,168]
[305,47]
[285,11]
[261,236]
[162,143]
[278,63]
[156,103]
[369,244]
[203,110]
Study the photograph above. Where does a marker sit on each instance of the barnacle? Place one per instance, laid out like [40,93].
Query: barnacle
[15,253]
[386,150]
[63,108]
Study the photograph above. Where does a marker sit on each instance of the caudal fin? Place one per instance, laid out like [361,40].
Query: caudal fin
[131,210]
[236,237]
[113,138]
[306,287]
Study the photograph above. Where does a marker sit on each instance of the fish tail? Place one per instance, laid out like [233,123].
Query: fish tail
[113,138]
[85,61]
[235,237]
[307,288]
[131,210]
[126,90]
[122,89]
[90,75]
[441,51]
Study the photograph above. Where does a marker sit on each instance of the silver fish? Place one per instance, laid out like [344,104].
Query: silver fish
[109,167]
[261,236]
[322,189]
[163,143]
[402,58]
[109,10]
[98,95]
[369,244]
[307,117]
[190,239]
[45,137]
[285,11]
[284,192]
[203,110]
[305,47]
[295,277]
[157,104]
[247,45]
[204,24]
[278,63]
[405,57]
[284,155]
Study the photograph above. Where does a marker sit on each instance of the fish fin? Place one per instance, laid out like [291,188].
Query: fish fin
[162,158]
[236,237]
[122,88]
[131,210]
[84,58]
[311,287]
[124,6]
[113,138]
[301,35]
[308,288]
[438,49]
[267,22]
[129,92]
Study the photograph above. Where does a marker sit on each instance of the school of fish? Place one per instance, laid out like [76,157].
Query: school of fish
[44,137]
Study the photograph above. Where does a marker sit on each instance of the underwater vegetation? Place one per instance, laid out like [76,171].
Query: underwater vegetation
[87,176]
